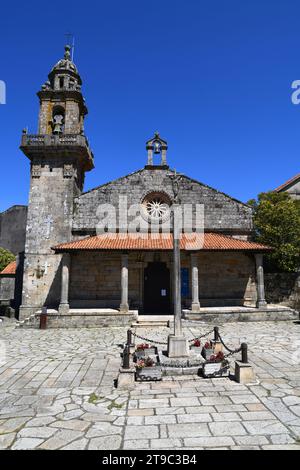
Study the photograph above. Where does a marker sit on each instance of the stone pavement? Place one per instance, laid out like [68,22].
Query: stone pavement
[57,392]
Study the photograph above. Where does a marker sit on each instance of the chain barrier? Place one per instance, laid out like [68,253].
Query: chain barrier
[161,342]
[231,351]
[201,336]
[147,339]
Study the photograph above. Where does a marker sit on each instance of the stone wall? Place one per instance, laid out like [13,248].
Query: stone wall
[13,229]
[224,278]
[222,213]
[283,288]
[7,287]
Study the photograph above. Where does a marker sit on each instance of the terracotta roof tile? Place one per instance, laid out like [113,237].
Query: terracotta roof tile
[210,242]
[10,268]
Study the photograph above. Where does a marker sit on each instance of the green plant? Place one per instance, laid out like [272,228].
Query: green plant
[5,258]
[277,224]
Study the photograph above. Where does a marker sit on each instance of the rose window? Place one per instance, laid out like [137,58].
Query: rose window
[157,206]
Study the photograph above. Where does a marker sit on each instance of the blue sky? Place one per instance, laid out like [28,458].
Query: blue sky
[214,77]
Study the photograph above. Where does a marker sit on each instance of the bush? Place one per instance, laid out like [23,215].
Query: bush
[5,258]
[277,224]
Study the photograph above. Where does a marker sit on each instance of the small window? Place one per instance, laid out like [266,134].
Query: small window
[61,82]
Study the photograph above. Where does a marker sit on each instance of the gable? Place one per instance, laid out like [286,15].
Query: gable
[222,213]
[291,186]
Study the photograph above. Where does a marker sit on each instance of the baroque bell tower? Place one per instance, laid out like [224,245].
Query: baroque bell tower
[59,157]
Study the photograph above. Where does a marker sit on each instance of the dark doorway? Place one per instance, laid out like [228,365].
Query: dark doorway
[157,288]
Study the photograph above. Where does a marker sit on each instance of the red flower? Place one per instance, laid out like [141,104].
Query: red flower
[207,345]
[197,343]
[142,347]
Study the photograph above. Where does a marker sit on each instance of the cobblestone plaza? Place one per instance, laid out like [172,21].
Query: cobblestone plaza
[58,392]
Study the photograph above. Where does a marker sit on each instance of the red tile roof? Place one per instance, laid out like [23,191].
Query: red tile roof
[287,183]
[211,242]
[10,268]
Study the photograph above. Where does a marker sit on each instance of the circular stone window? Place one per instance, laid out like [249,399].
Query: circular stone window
[156,206]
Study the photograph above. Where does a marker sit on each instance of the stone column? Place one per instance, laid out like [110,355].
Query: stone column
[195,307]
[65,275]
[260,285]
[177,343]
[124,284]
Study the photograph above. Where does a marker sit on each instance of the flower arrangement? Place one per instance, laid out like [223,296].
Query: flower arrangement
[148,362]
[219,357]
[142,347]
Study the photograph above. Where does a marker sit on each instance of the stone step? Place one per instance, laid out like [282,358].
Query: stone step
[152,321]
[149,324]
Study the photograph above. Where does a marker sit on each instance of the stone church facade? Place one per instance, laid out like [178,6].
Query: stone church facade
[86,278]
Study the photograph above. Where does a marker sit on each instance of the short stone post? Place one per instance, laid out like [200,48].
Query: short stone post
[244,372]
[260,285]
[64,293]
[130,341]
[126,377]
[216,343]
[195,307]
[43,318]
[124,308]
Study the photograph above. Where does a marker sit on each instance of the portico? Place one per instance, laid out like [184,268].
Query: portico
[135,274]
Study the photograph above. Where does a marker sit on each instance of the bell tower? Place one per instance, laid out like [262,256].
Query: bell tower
[59,156]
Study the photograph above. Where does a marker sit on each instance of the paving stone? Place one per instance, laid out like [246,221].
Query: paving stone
[291,400]
[295,409]
[222,428]
[199,409]
[226,417]
[165,443]
[196,418]
[230,408]
[13,424]
[136,444]
[80,444]
[40,392]
[42,432]
[256,415]
[136,420]
[265,427]
[102,429]
[160,419]
[154,403]
[192,401]
[105,443]
[208,442]
[26,443]
[243,399]
[143,432]
[75,424]
[43,421]
[6,440]
[255,407]
[282,439]
[170,410]
[251,440]
[281,447]
[215,401]
[186,430]
[139,412]
[61,439]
